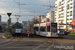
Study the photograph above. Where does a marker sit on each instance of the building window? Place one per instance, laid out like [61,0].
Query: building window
[67,19]
[70,18]
[68,6]
[71,4]
[62,9]
[47,19]
[67,15]
[71,7]
[62,21]
[70,13]
[59,3]
[68,0]
[70,22]
[62,0]
[67,22]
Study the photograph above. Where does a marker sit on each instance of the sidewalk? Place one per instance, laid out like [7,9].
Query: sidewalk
[69,37]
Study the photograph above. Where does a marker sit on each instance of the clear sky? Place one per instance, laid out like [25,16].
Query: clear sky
[28,8]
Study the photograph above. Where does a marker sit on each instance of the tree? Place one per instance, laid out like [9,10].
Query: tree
[33,21]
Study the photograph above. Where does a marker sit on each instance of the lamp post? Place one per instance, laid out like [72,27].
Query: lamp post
[9,22]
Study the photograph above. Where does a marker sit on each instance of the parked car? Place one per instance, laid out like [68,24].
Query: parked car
[62,32]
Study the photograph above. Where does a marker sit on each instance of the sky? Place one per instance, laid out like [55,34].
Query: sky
[27,9]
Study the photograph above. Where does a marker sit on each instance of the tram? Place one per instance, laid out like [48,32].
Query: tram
[47,29]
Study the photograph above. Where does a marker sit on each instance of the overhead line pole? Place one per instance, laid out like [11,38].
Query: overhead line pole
[66,16]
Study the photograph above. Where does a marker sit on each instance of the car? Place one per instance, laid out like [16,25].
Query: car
[62,32]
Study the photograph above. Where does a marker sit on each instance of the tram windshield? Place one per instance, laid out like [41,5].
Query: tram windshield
[54,27]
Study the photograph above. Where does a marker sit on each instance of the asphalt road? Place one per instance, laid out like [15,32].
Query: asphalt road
[1,39]
[1,34]
[38,43]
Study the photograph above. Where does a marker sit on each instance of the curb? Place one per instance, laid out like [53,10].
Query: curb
[4,37]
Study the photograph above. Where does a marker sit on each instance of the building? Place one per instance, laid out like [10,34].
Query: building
[50,16]
[24,25]
[42,18]
[64,13]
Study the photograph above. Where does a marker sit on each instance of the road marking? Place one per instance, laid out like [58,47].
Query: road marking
[7,43]
[40,45]
[60,47]
[16,47]
[4,41]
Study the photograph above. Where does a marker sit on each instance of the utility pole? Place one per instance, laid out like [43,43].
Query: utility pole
[39,23]
[17,17]
[9,22]
[66,16]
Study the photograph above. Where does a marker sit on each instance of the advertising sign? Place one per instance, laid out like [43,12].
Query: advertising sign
[73,21]
[48,24]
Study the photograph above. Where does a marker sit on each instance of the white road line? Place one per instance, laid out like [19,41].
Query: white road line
[60,47]
[7,43]
[4,41]
[16,47]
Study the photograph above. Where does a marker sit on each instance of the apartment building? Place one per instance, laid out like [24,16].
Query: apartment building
[42,18]
[50,16]
[64,13]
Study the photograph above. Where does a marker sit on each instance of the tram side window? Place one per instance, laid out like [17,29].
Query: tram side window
[48,28]
[42,28]
[73,27]
[36,28]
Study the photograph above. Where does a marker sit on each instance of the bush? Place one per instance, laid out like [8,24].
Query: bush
[73,34]
[7,35]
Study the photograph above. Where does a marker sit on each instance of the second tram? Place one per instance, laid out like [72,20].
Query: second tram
[47,29]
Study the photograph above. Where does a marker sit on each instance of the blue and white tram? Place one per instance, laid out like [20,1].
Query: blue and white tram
[47,29]
[17,29]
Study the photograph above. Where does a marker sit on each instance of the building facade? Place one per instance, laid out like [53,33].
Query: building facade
[50,17]
[24,25]
[64,13]
[42,18]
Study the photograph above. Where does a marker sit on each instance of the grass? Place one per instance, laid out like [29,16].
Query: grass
[7,36]
[72,34]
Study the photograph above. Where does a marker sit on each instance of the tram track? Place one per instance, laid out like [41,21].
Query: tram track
[45,42]
[8,42]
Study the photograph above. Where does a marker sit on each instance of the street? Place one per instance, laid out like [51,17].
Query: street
[1,39]
[37,43]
